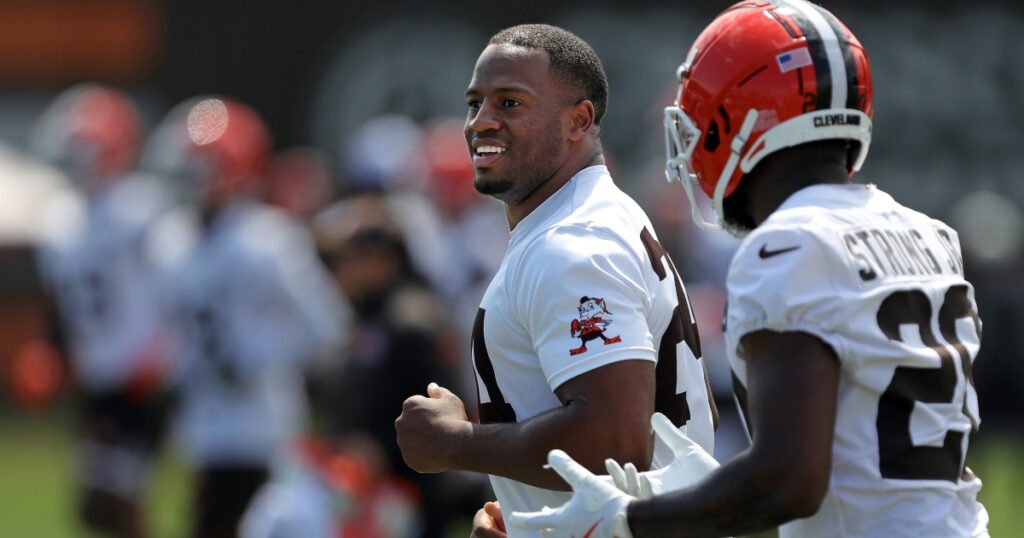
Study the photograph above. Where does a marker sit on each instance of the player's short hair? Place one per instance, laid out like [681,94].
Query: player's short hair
[571,57]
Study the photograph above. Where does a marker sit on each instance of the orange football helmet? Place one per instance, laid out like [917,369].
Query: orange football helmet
[761,77]
[450,167]
[219,148]
[91,132]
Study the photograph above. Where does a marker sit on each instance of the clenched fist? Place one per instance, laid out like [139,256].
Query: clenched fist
[428,428]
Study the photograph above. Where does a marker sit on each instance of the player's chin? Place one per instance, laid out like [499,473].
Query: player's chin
[489,183]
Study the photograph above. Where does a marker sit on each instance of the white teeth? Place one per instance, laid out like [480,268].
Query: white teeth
[483,150]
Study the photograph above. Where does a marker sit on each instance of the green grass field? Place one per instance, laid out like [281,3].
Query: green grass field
[37,465]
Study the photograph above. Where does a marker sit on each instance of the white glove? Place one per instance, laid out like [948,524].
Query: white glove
[690,464]
[596,510]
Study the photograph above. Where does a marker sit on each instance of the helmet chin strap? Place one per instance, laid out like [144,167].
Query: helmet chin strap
[735,149]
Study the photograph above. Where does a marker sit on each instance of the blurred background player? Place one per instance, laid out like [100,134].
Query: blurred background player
[401,341]
[103,264]
[385,155]
[255,304]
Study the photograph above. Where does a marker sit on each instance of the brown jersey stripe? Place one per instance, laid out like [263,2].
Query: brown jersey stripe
[496,410]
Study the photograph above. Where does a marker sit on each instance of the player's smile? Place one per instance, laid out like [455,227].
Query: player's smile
[486,152]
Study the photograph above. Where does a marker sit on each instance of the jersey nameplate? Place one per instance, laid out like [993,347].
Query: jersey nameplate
[879,253]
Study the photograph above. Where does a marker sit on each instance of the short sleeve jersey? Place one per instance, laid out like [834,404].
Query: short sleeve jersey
[102,267]
[584,284]
[255,305]
[883,285]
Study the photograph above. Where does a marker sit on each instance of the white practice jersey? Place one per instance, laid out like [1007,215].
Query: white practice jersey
[884,286]
[255,305]
[104,264]
[584,283]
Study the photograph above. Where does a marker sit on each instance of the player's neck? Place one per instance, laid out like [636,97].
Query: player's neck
[519,211]
[780,180]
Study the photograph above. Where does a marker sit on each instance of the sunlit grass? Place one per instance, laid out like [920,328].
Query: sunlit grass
[38,467]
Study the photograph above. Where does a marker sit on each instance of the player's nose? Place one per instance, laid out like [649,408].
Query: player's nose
[481,121]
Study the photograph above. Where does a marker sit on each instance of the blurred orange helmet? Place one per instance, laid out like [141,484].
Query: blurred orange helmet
[219,148]
[764,76]
[90,131]
[299,181]
[450,167]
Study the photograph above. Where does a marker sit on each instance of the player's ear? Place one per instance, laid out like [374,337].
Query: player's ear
[581,119]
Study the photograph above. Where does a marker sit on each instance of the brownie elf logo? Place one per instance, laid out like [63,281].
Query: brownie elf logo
[593,320]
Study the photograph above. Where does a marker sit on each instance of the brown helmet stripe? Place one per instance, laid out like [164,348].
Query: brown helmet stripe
[816,47]
[852,95]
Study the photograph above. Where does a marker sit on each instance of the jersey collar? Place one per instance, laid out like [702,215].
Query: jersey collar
[827,192]
[560,200]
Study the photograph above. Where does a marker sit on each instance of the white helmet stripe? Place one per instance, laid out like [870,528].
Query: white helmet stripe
[836,62]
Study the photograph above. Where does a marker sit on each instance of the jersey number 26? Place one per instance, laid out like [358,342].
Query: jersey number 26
[899,457]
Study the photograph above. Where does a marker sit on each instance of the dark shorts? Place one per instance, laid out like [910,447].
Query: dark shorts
[119,440]
[116,418]
[222,495]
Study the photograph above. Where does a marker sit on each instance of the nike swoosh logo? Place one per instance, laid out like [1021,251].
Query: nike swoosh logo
[593,528]
[764,253]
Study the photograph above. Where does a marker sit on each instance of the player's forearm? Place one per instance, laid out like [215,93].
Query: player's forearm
[519,451]
[514,451]
[741,497]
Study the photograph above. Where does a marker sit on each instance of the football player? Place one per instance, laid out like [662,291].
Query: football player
[533,123]
[401,340]
[254,301]
[103,265]
[851,330]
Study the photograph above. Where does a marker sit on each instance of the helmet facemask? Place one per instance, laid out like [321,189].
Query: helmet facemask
[681,139]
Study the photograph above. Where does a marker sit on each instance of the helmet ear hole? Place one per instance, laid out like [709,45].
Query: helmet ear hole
[711,138]
[725,119]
